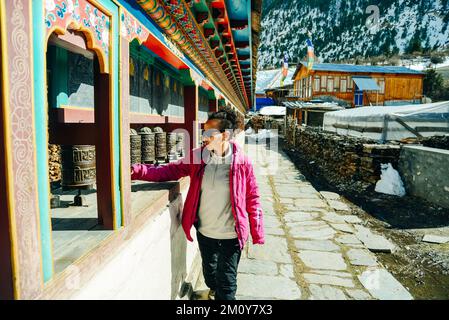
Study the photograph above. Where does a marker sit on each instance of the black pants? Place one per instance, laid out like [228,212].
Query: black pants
[220,263]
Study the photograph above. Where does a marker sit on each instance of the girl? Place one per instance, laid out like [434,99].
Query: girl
[222,201]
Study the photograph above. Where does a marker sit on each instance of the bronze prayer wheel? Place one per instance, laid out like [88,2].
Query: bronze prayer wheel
[136,145]
[180,144]
[148,145]
[78,166]
[161,144]
[171,144]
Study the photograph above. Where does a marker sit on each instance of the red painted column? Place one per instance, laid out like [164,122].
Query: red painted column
[103,147]
[191,116]
[213,105]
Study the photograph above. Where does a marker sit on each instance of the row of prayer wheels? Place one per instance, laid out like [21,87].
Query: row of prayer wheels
[151,146]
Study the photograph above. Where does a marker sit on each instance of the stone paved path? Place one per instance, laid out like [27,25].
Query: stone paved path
[315,248]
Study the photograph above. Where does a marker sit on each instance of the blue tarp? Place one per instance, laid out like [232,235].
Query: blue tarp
[263,102]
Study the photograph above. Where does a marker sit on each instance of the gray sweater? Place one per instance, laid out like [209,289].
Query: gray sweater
[215,213]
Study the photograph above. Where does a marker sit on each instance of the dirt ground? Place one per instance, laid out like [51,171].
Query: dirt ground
[422,267]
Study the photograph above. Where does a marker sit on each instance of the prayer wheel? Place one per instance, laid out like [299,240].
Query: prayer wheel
[78,167]
[136,145]
[161,144]
[180,144]
[148,145]
[171,145]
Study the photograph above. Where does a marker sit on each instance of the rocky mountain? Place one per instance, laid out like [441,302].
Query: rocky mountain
[343,29]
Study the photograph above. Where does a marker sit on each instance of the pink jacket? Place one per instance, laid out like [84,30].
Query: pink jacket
[245,201]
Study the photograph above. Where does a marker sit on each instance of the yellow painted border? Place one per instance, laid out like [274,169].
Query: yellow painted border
[8,156]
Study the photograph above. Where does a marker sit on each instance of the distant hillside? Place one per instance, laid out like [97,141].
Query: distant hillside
[340,30]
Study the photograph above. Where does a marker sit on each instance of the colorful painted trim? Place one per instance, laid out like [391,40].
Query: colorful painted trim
[84,16]
[131,28]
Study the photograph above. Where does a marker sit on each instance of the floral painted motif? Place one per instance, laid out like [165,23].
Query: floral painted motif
[60,13]
[131,29]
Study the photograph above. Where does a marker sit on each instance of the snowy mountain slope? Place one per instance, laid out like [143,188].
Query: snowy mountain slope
[350,28]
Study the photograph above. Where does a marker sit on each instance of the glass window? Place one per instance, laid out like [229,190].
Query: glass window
[317,84]
[350,83]
[381,84]
[337,84]
[344,84]
[330,84]
[323,83]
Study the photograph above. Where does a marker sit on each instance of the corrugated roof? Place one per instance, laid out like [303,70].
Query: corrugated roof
[350,68]
[366,83]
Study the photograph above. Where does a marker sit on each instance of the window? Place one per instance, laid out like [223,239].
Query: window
[330,84]
[337,84]
[381,84]
[323,83]
[344,84]
[350,83]
[317,84]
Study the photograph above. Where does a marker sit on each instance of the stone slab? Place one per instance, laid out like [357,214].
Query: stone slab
[344,227]
[357,294]
[330,195]
[435,239]
[374,242]
[361,257]
[275,249]
[329,280]
[338,205]
[316,245]
[260,267]
[325,233]
[286,270]
[383,286]
[269,287]
[352,219]
[348,239]
[322,260]
[333,218]
[326,292]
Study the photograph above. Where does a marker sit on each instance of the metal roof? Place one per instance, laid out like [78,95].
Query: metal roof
[366,83]
[361,69]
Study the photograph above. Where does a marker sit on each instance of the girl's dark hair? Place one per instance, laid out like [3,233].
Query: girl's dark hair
[228,119]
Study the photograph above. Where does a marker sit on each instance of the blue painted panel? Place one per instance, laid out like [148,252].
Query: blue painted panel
[241,35]
[237,9]
[244,51]
[41,137]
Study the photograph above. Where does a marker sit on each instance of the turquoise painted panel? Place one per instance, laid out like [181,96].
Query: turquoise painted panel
[237,9]
[41,137]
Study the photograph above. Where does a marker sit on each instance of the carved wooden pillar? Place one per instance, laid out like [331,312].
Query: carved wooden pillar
[18,200]
[125,131]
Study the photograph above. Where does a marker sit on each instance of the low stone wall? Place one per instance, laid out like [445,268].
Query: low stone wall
[425,172]
[344,161]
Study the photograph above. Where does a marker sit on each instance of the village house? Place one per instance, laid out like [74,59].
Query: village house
[358,85]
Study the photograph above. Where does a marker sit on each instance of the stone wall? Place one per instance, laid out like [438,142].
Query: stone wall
[344,161]
[425,172]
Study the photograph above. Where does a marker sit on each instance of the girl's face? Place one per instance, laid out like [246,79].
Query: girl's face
[212,137]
